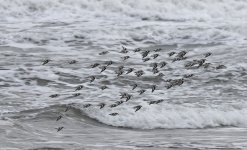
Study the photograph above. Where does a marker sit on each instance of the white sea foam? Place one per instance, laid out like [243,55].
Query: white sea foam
[171,116]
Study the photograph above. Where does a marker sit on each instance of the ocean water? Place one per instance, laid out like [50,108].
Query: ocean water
[209,111]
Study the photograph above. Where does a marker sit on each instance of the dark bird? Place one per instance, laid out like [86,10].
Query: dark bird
[141,92]
[124,50]
[153,88]
[152,102]
[129,70]
[181,54]
[103,68]
[72,62]
[108,63]
[201,62]
[159,101]
[67,108]
[146,59]
[103,87]
[119,72]
[54,95]
[95,65]
[163,64]
[169,86]
[134,86]
[155,56]
[220,67]
[190,64]
[179,59]
[113,114]
[138,107]
[125,57]
[92,78]
[59,117]
[120,67]
[139,73]
[123,95]
[137,50]
[103,53]
[46,61]
[79,88]
[188,75]
[171,54]
[155,70]
[128,96]
[59,129]
[76,94]
[101,105]
[113,105]
[119,102]
[154,65]
[145,54]
[207,54]
[87,105]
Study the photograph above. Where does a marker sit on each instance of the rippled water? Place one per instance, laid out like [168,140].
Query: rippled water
[207,112]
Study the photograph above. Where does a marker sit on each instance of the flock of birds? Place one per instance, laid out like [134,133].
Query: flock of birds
[121,70]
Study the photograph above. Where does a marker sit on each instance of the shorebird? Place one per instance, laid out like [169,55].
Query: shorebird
[179,58]
[119,102]
[160,75]
[54,95]
[159,101]
[207,54]
[72,62]
[103,87]
[138,107]
[155,70]
[152,102]
[154,65]
[163,64]
[113,114]
[120,67]
[144,54]
[119,72]
[171,53]
[141,91]
[76,94]
[206,65]
[79,88]
[123,95]
[87,105]
[67,108]
[125,57]
[59,117]
[95,65]
[124,50]
[220,67]
[128,96]
[108,63]
[181,54]
[59,129]
[113,105]
[158,49]
[134,86]
[46,61]
[169,86]
[155,56]
[103,68]
[104,52]
[146,59]
[139,73]
[153,88]
[188,75]
[137,50]
[92,78]
[129,70]
[101,105]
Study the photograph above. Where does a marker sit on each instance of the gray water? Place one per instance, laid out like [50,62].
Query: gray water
[207,112]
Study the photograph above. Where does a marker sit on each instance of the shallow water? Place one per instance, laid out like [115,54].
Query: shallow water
[207,112]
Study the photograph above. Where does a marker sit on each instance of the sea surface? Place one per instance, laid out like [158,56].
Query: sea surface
[207,112]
